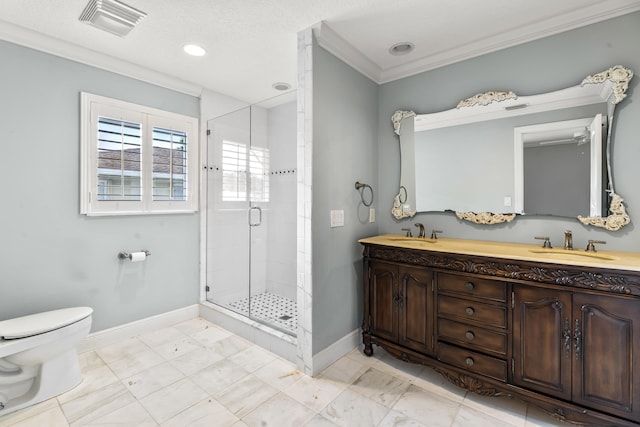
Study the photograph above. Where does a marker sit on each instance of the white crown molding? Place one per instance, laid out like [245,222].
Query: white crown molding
[340,48]
[601,11]
[38,41]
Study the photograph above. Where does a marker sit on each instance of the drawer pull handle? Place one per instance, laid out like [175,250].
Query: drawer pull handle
[469,361]
[469,286]
[470,311]
[469,335]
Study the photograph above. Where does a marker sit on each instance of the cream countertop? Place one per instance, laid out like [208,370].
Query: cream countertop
[517,251]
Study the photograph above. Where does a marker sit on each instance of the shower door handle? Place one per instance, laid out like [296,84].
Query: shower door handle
[252,222]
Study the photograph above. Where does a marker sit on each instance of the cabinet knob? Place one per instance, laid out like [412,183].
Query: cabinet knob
[469,286]
[469,335]
[469,361]
[470,311]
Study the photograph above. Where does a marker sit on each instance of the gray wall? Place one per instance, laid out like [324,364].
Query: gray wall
[53,257]
[344,151]
[544,65]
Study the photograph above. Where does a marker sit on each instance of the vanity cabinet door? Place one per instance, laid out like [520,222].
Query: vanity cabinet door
[542,345]
[416,309]
[383,304]
[607,348]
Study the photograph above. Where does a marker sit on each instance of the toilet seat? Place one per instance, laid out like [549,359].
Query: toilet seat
[35,324]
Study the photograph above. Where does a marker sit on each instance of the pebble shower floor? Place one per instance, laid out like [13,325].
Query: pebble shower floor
[270,308]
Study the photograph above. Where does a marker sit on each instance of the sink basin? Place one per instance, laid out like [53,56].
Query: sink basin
[565,253]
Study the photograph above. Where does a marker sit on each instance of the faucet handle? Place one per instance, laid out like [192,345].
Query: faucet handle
[434,234]
[419,225]
[408,230]
[591,246]
[546,243]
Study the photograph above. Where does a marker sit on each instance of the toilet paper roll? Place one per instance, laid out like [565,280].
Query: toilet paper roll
[138,256]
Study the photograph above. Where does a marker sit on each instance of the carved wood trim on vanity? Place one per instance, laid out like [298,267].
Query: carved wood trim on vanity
[597,279]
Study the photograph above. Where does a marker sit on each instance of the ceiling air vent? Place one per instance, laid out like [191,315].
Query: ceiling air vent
[112,16]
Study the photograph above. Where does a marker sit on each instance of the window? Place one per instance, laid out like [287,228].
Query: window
[136,159]
[245,173]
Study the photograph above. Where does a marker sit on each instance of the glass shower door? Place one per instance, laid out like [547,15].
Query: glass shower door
[228,233]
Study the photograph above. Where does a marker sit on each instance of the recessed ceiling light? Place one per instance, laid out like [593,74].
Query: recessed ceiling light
[281,86]
[401,48]
[194,50]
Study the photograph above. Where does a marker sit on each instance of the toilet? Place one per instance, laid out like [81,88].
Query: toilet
[38,356]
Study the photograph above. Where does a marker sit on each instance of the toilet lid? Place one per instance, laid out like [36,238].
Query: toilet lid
[39,323]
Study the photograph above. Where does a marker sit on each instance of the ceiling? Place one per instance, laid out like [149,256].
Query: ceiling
[252,44]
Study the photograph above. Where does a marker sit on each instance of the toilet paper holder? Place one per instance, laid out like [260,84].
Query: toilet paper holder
[127,255]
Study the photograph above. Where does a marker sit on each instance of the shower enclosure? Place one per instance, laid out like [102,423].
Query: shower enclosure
[251,212]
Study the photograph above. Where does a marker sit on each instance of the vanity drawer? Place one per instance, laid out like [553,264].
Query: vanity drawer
[472,336]
[468,310]
[484,288]
[472,361]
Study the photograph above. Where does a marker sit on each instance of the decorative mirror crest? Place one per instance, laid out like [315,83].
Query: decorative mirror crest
[616,83]
[486,218]
[486,98]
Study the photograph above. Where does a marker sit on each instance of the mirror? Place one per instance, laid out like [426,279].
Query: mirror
[544,154]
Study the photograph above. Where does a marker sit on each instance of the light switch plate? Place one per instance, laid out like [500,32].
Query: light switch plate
[372,215]
[337,218]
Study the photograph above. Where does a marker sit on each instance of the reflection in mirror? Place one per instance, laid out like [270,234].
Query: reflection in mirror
[513,155]
[561,165]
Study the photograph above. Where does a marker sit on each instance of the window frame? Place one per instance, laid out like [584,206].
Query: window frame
[95,106]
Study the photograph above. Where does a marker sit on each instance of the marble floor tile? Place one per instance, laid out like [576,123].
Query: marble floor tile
[28,412]
[469,417]
[208,336]
[230,345]
[252,358]
[53,417]
[133,413]
[164,404]
[193,326]
[426,407]
[176,348]
[512,411]
[398,419]
[351,409]
[121,349]
[197,374]
[91,406]
[279,373]
[152,380]
[195,360]
[380,387]
[320,421]
[206,413]
[315,393]
[162,336]
[132,364]
[430,379]
[219,376]
[92,380]
[245,395]
[272,413]
[345,370]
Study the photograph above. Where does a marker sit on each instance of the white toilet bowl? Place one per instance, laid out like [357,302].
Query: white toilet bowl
[38,357]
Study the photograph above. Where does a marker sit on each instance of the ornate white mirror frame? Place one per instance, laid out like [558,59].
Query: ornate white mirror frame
[616,83]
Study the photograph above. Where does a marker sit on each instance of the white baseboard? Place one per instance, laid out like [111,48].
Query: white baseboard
[335,351]
[128,330]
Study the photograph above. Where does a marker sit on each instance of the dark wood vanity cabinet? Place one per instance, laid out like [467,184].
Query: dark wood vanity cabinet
[564,338]
[579,347]
[401,305]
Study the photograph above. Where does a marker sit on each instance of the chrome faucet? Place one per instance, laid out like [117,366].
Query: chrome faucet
[568,240]
[422,234]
